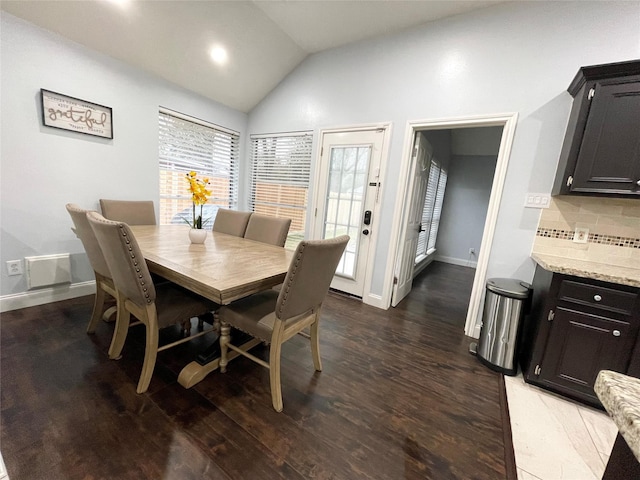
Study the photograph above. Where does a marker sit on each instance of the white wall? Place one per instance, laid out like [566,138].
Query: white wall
[464,210]
[513,57]
[43,168]
[466,200]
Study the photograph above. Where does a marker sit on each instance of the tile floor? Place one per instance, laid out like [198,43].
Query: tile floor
[555,438]
[3,470]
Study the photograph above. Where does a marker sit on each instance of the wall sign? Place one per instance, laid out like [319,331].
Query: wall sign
[68,113]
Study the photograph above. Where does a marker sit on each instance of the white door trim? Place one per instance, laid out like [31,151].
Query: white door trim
[508,122]
[367,297]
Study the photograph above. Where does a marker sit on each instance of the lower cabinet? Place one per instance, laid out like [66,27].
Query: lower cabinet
[580,326]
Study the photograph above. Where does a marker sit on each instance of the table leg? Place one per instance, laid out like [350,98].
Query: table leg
[194,372]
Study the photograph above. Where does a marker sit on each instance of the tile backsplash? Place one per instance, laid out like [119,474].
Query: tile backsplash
[613,224]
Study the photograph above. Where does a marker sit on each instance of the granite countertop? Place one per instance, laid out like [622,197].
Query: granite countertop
[585,269]
[620,395]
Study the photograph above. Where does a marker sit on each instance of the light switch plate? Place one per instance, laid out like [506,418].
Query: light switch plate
[537,200]
[581,235]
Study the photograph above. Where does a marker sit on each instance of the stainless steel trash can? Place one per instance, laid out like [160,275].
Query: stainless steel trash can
[505,305]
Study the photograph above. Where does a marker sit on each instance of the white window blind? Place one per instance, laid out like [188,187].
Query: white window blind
[189,144]
[437,211]
[280,173]
[432,209]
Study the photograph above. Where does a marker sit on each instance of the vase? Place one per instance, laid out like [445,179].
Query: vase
[197,235]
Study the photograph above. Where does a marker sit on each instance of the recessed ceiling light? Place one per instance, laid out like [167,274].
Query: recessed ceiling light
[218,54]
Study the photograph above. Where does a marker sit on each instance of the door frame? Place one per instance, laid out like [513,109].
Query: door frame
[367,297]
[506,120]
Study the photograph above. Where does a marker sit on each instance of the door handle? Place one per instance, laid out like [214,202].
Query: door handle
[367,217]
[420,229]
[365,232]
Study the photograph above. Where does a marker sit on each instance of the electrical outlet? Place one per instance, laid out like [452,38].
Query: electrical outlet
[14,267]
[581,235]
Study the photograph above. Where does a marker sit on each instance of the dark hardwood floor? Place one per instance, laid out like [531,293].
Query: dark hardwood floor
[444,289]
[399,398]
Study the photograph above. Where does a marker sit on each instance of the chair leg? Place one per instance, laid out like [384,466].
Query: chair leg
[150,355]
[121,329]
[274,376]
[314,338]
[225,331]
[98,307]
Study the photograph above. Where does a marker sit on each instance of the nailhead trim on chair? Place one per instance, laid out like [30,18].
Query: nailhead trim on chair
[285,292]
[135,263]
[267,341]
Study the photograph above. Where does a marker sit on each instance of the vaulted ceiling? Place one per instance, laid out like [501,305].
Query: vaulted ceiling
[264,40]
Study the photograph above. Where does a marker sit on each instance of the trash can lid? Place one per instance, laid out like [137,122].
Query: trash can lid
[509,287]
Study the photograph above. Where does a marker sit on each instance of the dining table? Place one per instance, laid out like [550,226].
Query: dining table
[223,269]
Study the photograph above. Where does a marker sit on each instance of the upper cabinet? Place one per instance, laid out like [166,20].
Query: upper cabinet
[601,150]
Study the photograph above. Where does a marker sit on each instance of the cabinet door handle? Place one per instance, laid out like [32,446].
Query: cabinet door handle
[597,298]
[616,333]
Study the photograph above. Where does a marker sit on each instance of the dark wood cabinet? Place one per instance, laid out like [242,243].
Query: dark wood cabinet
[581,327]
[601,150]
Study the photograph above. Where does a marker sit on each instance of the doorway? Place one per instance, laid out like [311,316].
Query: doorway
[405,254]
[347,200]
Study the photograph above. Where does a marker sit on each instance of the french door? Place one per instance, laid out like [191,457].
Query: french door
[348,191]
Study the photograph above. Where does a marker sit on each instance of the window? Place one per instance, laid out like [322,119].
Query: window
[188,144]
[431,211]
[280,171]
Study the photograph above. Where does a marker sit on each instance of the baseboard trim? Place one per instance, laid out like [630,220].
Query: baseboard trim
[456,261]
[375,301]
[476,331]
[46,295]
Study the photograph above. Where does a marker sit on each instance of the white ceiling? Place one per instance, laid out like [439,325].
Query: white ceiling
[265,40]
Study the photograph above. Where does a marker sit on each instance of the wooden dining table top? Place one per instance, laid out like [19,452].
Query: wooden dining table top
[223,269]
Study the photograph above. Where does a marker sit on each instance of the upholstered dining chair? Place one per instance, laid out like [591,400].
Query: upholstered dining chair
[156,307]
[275,317]
[131,212]
[104,283]
[265,229]
[231,222]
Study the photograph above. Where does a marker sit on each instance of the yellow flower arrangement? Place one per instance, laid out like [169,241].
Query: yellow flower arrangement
[199,196]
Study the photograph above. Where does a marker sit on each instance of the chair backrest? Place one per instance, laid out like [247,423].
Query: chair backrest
[266,229]
[309,277]
[231,222]
[88,239]
[131,212]
[127,265]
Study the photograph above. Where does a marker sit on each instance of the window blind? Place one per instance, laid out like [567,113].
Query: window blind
[437,211]
[279,181]
[188,144]
[432,209]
